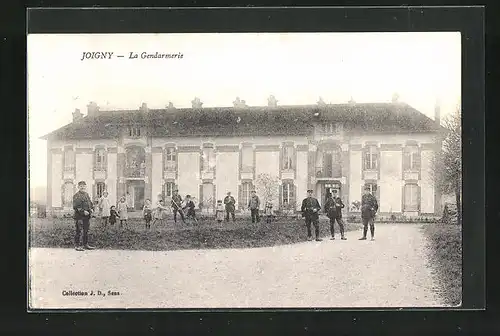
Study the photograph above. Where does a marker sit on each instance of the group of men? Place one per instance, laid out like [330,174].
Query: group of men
[83,207]
[333,209]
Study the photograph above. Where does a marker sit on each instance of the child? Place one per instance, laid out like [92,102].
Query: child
[219,211]
[190,208]
[113,215]
[123,211]
[104,205]
[159,211]
[269,212]
[147,213]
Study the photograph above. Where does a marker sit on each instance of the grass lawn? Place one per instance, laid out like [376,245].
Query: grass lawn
[207,234]
[445,245]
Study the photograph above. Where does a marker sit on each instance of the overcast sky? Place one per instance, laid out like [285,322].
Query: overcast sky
[295,68]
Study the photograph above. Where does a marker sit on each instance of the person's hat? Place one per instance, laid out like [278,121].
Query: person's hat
[188,196]
[309,190]
[82,183]
[176,190]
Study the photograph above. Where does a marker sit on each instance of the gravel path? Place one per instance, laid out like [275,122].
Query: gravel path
[389,272]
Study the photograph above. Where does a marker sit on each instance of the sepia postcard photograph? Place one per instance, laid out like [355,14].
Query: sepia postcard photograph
[244,170]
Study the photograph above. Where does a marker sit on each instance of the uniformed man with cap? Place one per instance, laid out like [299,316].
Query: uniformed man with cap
[310,211]
[369,207]
[83,207]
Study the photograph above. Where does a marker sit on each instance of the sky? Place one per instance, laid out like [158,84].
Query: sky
[296,68]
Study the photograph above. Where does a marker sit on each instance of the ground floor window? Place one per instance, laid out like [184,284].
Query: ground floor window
[245,194]
[100,189]
[68,192]
[288,195]
[411,199]
[372,187]
[169,189]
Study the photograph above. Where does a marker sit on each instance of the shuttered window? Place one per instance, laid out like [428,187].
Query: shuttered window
[411,158]
[371,158]
[170,159]
[411,197]
[69,159]
[68,192]
[247,159]
[100,159]
[288,195]
[288,153]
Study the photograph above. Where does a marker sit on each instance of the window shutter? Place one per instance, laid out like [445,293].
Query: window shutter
[364,159]
[419,199]
[214,198]
[163,192]
[377,196]
[294,198]
[375,160]
[240,197]
[201,201]
[403,198]
[282,158]
[94,191]
[406,160]
[417,159]
[281,196]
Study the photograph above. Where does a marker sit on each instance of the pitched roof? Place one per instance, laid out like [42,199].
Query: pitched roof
[229,121]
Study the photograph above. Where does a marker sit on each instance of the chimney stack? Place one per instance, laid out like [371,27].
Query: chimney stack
[395,98]
[196,103]
[238,103]
[77,115]
[271,101]
[144,108]
[321,102]
[437,113]
[92,109]
[352,101]
[170,106]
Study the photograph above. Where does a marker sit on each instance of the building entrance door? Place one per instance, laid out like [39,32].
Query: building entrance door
[136,192]
[333,188]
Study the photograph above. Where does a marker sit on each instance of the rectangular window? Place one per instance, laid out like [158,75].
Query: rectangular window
[69,160]
[372,187]
[288,152]
[288,195]
[100,157]
[169,189]
[208,159]
[411,158]
[68,194]
[247,159]
[371,158]
[134,131]
[170,159]
[246,189]
[411,197]
[208,195]
[100,189]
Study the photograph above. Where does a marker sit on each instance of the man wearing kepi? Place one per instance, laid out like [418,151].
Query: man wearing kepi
[333,209]
[369,207]
[83,207]
[310,211]
[253,205]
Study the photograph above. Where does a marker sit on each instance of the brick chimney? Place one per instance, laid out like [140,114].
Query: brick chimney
[437,113]
[144,108]
[170,106]
[271,101]
[196,103]
[92,109]
[77,115]
[238,103]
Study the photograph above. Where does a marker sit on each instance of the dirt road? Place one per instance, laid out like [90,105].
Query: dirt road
[389,272]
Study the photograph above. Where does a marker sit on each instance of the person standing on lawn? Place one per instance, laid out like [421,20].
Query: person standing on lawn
[122,211]
[105,206]
[190,209]
[333,209]
[176,206]
[83,207]
[229,202]
[147,213]
[253,205]
[219,211]
[369,207]
[310,211]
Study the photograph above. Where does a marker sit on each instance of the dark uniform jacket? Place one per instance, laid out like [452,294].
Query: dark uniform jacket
[229,202]
[333,207]
[310,208]
[254,202]
[176,202]
[82,203]
[369,206]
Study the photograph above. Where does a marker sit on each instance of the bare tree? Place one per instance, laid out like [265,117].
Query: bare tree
[447,163]
[267,187]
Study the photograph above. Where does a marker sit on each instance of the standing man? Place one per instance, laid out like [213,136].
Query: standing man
[82,204]
[176,206]
[253,205]
[310,211]
[230,208]
[369,207]
[333,209]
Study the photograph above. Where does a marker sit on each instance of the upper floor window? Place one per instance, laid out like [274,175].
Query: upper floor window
[208,157]
[170,159]
[247,159]
[100,159]
[134,131]
[288,154]
[288,195]
[68,193]
[69,159]
[371,158]
[411,158]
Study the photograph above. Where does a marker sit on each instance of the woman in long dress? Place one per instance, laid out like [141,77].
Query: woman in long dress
[104,206]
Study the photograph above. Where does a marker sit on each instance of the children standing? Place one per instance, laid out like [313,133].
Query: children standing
[269,212]
[104,206]
[123,211]
[219,211]
[190,208]
[113,215]
[159,211]
[147,212]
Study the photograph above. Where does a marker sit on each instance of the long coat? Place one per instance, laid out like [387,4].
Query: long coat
[229,202]
[82,203]
[333,207]
[369,206]
[310,208]
[105,206]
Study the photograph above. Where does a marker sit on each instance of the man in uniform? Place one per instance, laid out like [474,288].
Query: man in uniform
[229,201]
[369,207]
[310,211]
[253,205]
[83,207]
[333,209]
[177,206]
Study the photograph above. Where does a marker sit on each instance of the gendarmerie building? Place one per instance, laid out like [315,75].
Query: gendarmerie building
[206,152]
